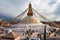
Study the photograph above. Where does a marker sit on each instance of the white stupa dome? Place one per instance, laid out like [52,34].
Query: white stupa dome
[30,20]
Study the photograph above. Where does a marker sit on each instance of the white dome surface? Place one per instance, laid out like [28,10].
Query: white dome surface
[30,20]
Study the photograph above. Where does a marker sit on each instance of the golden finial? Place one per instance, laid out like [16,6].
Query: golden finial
[30,12]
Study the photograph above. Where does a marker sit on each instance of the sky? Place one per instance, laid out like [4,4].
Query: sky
[48,8]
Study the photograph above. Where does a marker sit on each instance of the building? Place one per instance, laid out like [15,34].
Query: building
[10,36]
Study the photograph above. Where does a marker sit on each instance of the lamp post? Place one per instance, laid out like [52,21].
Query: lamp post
[44,38]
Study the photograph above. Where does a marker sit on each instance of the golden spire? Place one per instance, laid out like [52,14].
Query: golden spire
[30,12]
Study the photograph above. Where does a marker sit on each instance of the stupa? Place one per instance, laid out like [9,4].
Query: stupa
[29,22]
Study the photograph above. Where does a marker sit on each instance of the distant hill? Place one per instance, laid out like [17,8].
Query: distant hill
[49,23]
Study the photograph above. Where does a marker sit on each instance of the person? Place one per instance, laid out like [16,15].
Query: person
[39,36]
[27,38]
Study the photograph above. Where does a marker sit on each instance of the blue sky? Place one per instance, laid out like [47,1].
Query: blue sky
[48,8]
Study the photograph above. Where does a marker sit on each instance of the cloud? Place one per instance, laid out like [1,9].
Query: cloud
[52,2]
[48,8]
[6,8]
[57,13]
[10,10]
